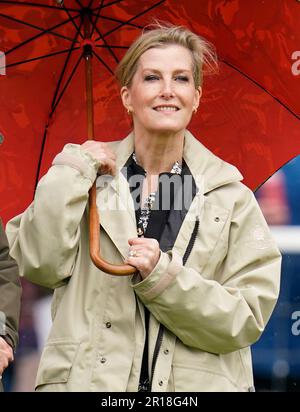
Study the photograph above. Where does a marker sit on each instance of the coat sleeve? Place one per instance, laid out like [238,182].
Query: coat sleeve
[44,240]
[227,310]
[10,293]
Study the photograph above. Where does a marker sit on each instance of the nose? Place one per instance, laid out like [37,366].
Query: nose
[167,91]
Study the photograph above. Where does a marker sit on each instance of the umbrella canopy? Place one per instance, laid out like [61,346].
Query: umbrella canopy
[249,113]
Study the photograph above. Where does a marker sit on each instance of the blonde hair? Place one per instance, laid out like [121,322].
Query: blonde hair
[203,53]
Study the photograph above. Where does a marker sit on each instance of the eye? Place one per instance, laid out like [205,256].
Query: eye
[151,77]
[182,78]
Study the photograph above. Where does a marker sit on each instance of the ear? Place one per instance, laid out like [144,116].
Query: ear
[126,98]
[198,94]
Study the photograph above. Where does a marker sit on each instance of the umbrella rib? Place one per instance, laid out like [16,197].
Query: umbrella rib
[40,57]
[41,157]
[96,19]
[103,46]
[120,21]
[46,127]
[72,20]
[261,87]
[39,35]
[34,26]
[26,3]
[64,68]
[65,86]
[103,62]
[102,38]
[134,17]
[108,4]
[79,4]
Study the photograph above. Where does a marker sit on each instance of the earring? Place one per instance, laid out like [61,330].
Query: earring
[128,112]
[195,110]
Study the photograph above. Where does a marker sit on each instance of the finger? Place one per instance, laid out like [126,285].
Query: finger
[112,155]
[6,351]
[141,253]
[3,364]
[11,356]
[138,262]
[99,150]
[107,154]
[145,240]
[6,358]
[137,252]
[138,241]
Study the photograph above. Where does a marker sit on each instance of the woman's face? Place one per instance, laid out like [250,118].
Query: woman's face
[162,95]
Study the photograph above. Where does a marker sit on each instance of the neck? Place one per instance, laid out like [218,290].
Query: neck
[158,153]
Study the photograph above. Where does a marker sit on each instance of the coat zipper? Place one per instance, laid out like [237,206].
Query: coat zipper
[161,327]
[156,350]
[191,242]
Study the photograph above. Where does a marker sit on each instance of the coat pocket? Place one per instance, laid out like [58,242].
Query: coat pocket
[187,379]
[210,237]
[56,362]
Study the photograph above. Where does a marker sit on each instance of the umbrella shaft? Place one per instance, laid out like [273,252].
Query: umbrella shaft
[89,97]
[88,53]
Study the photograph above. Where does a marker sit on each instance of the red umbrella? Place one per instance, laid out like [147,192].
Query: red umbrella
[249,114]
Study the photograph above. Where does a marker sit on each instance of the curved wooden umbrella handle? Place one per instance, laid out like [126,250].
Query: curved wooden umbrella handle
[94,221]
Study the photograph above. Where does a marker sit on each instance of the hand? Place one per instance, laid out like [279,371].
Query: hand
[6,355]
[105,156]
[144,254]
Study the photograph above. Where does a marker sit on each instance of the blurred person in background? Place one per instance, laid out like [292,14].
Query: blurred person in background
[291,172]
[279,196]
[10,296]
[273,200]
[29,349]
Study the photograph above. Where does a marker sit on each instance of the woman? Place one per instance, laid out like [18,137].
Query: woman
[208,270]
[10,297]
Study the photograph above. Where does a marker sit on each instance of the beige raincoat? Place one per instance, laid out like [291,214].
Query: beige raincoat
[212,308]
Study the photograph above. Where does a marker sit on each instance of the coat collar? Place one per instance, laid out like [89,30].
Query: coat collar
[206,167]
[115,203]
[202,163]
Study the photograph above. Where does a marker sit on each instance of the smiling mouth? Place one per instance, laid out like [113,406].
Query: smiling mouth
[166,108]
